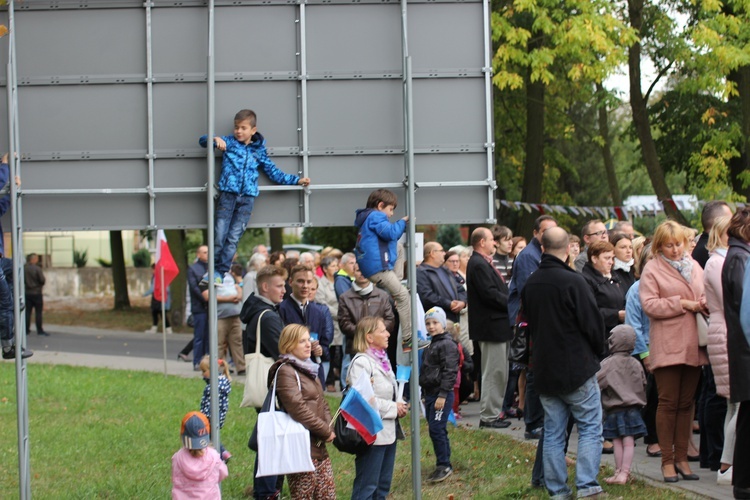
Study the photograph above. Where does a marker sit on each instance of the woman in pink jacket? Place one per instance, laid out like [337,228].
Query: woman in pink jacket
[671,293]
[718,242]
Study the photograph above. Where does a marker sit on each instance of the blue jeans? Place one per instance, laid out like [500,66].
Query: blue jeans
[6,304]
[584,405]
[232,216]
[439,429]
[200,337]
[374,472]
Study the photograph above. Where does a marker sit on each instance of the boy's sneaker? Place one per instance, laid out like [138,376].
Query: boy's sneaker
[440,474]
[226,456]
[11,353]
[421,344]
[218,279]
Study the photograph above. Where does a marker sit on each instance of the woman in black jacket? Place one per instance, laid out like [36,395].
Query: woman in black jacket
[607,289]
[738,347]
[623,268]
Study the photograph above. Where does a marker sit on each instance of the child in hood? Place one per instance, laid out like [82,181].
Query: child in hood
[623,385]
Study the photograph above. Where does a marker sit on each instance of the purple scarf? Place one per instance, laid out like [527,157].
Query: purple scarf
[381,356]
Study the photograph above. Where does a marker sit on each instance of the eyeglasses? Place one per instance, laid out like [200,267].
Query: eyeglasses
[598,233]
[452,261]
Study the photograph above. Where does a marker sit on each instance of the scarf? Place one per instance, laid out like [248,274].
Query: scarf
[625,266]
[305,365]
[381,356]
[684,266]
[362,291]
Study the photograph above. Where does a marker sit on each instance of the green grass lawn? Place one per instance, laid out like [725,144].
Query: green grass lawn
[98,433]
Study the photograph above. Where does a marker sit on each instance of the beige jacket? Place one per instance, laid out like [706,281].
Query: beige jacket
[384,385]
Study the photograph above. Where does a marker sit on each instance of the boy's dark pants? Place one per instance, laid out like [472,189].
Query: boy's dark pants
[438,429]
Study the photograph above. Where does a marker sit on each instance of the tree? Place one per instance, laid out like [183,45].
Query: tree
[641,121]
[176,241]
[449,235]
[540,46]
[344,238]
[119,276]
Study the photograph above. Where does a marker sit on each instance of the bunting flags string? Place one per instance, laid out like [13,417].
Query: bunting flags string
[619,212]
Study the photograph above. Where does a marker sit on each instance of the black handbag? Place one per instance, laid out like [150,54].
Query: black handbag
[348,440]
[518,350]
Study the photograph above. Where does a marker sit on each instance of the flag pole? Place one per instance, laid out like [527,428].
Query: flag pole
[163,316]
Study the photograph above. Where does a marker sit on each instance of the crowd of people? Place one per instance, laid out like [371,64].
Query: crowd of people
[615,348]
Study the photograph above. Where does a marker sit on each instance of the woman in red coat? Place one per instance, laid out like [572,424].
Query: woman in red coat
[672,293]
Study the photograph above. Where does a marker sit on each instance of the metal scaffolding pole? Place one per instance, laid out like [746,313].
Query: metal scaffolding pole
[416,468]
[212,320]
[24,476]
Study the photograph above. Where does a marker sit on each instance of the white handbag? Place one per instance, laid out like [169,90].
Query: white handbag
[283,443]
[701,322]
[256,374]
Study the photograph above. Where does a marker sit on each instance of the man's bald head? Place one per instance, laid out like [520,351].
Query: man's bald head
[556,241]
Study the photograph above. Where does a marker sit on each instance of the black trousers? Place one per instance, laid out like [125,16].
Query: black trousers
[35,302]
[741,463]
[711,414]
[533,411]
[649,411]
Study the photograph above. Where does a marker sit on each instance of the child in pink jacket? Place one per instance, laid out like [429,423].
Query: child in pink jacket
[197,468]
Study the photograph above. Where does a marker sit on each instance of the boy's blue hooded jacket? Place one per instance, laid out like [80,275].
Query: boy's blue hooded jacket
[376,242]
[239,166]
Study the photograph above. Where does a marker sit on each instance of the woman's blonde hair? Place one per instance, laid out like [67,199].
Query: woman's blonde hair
[366,325]
[205,365]
[290,336]
[667,230]
[717,231]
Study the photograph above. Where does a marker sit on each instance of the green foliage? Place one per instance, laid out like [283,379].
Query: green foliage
[142,258]
[80,258]
[449,235]
[103,262]
[344,238]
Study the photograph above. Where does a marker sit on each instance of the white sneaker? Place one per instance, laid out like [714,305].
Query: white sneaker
[169,329]
[724,477]
[153,329]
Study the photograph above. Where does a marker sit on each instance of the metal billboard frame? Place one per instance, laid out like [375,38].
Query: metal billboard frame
[306,154]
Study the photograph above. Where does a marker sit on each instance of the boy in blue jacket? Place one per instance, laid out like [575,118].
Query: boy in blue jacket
[376,253]
[244,153]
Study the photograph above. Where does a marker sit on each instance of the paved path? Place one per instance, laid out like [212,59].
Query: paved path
[121,350]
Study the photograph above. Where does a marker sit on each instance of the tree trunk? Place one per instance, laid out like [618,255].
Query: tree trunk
[641,120]
[176,240]
[741,164]
[277,239]
[531,190]
[609,164]
[119,276]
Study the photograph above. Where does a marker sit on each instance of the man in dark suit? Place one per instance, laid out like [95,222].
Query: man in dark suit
[436,285]
[489,325]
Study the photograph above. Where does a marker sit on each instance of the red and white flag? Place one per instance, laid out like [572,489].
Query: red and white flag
[164,260]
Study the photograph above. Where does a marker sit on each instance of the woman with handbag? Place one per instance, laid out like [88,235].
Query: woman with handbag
[300,394]
[374,468]
[718,245]
[672,292]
